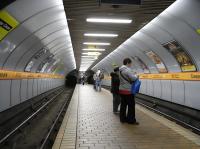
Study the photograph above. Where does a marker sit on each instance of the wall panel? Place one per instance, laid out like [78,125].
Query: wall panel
[178,92]
[5,94]
[156,88]
[166,90]
[30,88]
[15,92]
[150,89]
[143,88]
[192,94]
[24,90]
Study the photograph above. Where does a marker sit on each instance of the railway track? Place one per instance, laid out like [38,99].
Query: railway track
[36,130]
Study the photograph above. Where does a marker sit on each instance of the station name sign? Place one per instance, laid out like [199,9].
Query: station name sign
[7,24]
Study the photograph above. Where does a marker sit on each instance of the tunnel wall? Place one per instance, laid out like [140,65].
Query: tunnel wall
[35,39]
[14,92]
[179,23]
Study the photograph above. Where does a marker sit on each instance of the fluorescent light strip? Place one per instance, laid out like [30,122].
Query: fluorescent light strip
[85,68]
[91,59]
[87,61]
[97,43]
[93,49]
[85,65]
[100,35]
[88,58]
[106,20]
[92,53]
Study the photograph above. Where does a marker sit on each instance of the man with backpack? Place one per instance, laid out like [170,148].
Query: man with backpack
[127,98]
[115,89]
[99,77]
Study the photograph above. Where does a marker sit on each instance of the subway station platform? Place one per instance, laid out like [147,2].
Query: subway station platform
[89,123]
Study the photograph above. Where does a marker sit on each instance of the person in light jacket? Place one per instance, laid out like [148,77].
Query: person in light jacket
[127,77]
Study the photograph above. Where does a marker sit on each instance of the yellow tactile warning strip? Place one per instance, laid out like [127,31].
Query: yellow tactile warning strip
[7,75]
[187,76]
[98,128]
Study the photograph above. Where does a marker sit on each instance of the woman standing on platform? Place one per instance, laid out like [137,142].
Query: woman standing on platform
[127,99]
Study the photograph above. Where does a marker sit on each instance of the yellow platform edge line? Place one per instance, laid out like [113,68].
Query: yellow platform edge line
[187,76]
[9,75]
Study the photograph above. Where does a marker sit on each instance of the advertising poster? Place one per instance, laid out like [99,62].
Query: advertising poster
[181,56]
[29,66]
[141,64]
[156,59]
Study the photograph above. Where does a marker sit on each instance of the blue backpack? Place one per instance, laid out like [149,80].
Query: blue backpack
[135,87]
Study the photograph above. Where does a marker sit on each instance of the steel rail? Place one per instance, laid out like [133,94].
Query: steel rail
[29,118]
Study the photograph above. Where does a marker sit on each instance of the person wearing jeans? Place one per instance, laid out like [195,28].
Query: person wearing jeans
[99,77]
[127,77]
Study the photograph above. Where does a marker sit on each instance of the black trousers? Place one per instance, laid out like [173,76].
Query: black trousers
[127,101]
[116,102]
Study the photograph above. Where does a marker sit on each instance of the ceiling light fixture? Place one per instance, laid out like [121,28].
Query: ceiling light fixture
[89,57]
[83,65]
[93,49]
[87,61]
[97,43]
[106,20]
[83,69]
[92,53]
[100,35]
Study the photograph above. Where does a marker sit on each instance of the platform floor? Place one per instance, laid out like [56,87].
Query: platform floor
[89,123]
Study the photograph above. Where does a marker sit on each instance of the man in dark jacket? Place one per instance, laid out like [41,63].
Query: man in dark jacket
[115,89]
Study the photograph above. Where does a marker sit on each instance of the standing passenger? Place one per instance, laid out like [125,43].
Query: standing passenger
[115,89]
[94,82]
[127,99]
[99,77]
[82,79]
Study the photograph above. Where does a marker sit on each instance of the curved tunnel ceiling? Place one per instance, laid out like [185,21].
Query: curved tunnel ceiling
[43,38]
[34,42]
[176,27]
[78,11]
